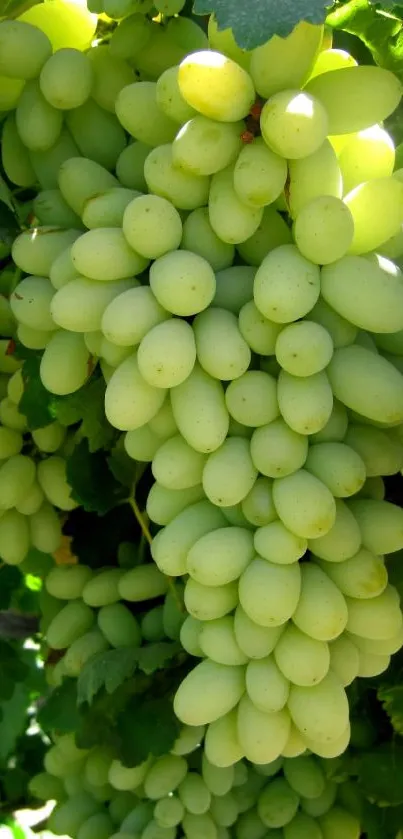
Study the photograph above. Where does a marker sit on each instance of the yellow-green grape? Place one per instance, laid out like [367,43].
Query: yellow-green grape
[262,734]
[221,556]
[45,528]
[130,401]
[277,803]
[66,79]
[269,593]
[294,124]
[221,350]
[46,786]
[188,740]
[356,97]
[376,208]
[362,576]
[199,826]
[324,229]
[38,123]
[342,541]
[216,86]
[169,97]
[200,238]
[119,626]
[219,779]
[46,164]
[259,332]
[14,537]
[99,824]
[206,603]
[50,208]
[103,254]
[34,250]
[271,232]
[142,443]
[17,475]
[139,114]
[303,826]
[341,331]
[266,685]
[305,402]
[259,174]
[320,712]
[15,388]
[172,544]
[132,35]
[305,505]
[302,659]
[285,62]
[304,348]
[208,692]
[10,92]
[8,363]
[80,179]
[126,778]
[14,155]
[176,465]
[130,166]
[321,611]
[185,190]
[164,776]
[167,354]
[381,453]
[221,744]
[110,75]
[234,287]
[277,450]
[112,355]
[65,24]
[189,636]
[102,588]
[231,219]
[286,285]
[131,315]
[82,649]
[79,305]
[30,303]
[258,506]
[314,176]
[218,642]
[11,417]
[344,659]
[67,582]
[51,474]
[224,809]
[97,766]
[11,442]
[204,146]
[107,209]
[332,59]
[142,583]
[70,623]
[98,133]
[367,155]
[367,384]
[62,269]
[338,466]
[339,822]
[200,412]
[252,398]
[152,226]
[169,811]
[196,279]
[65,364]
[229,473]
[381,525]
[24,49]
[295,745]
[318,806]
[364,293]
[277,544]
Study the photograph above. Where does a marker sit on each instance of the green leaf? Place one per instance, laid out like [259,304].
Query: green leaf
[87,405]
[392,701]
[60,712]
[124,468]
[381,33]
[105,670]
[12,669]
[255,22]
[10,581]
[13,719]
[153,657]
[93,484]
[6,195]
[36,402]
[146,726]
[380,774]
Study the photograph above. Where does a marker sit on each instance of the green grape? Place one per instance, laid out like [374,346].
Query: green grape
[271,232]
[34,250]
[46,164]
[331,59]
[62,269]
[121,804]
[45,528]
[258,506]
[49,438]
[136,820]
[79,305]
[305,402]
[65,363]
[318,806]
[277,544]
[266,685]
[286,285]
[301,659]
[314,176]
[367,384]
[305,776]
[169,811]
[321,612]
[320,712]
[66,79]
[194,795]
[341,331]
[65,24]
[367,155]
[337,822]
[170,99]
[338,466]
[342,541]
[110,75]
[102,588]
[294,124]
[46,787]
[17,475]
[207,603]
[199,237]
[103,254]
[261,334]
[200,412]
[167,354]
[189,636]
[204,146]
[375,207]
[11,417]
[219,557]
[324,229]
[277,450]
[30,303]
[119,626]
[217,641]
[14,155]
[188,740]
[73,813]
[229,473]
[208,692]
[218,779]
[67,581]
[107,209]
[262,734]
[277,803]
[375,303]
[112,355]
[24,49]
[231,219]
[223,41]
[30,505]
[161,51]
[221,350]
[362,576]
[304,348]
[131,315]
[199,826]
[164,776]
[172,544]
[38,123]
[50,208]
[173,613]
[142,583]
[381,525]
[14,537]
[129,400]
[285,62]
[139,114]
[51,474]
[252,398]
[176,465]
[142,443]
[81,650]
[152,226]
[131,36]
[81,179]
[100,825]
[154,831]
[70,623]
[130,166]
[269,593]
[303,826]
[250,823]
[216,86]
[234,287]
[185,190]
[224,809]
[221,744]
[98,134]
[196,279]
[380,453]
[10,92]
[123,778]
[356,97]
[11,442]
[259,174]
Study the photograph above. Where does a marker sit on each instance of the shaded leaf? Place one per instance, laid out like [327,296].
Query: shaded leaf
[93,484]
[13,719]
[10,580]
[153,657]
[147,726]
[60,712]
[36,402]
[105,670]
[87,406]
[380,774]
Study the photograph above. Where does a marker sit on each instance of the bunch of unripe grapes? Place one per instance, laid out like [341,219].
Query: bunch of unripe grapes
[231,270]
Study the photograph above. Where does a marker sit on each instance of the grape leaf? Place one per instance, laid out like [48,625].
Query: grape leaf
[95,540]
[13,719]
[146,726]
[12,669]
[36,402]
[10,580]
[255,22]
[60,712]
[93,484]
[392,701]
[153,657]
[105,670]
[123,467]
[380,774]
[87,406]
[382,34]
